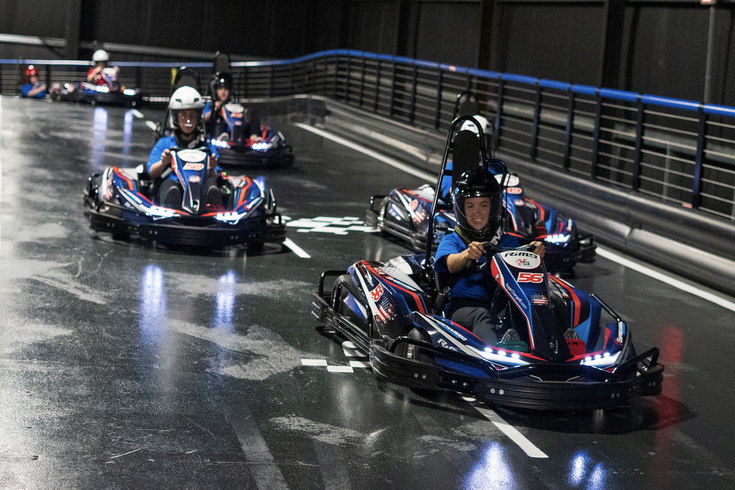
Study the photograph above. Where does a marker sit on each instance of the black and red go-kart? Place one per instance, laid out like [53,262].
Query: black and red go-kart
[121,201]
[574,351]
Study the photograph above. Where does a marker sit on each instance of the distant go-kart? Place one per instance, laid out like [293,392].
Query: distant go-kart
[122,202]
[110,94]
[573,352]
[236,147]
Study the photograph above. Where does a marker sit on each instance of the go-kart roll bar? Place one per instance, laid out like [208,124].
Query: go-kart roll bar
[442,171]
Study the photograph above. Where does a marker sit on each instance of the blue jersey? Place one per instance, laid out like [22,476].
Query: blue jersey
[470,283]
[166,143]
[26,88]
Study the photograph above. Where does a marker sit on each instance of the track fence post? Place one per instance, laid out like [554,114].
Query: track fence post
[568,130]
[439,91]
[536,121]
[699,157]
[596,135]
[638,144]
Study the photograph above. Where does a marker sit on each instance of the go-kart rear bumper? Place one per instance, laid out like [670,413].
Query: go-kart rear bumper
[280,156]
[559,258]
[585,388]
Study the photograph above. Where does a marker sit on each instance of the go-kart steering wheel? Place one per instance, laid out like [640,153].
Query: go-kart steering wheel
[490,247]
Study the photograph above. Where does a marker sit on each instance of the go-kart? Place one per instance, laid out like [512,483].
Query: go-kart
[110,94]
[403,214]
[573,352]
[234,145]
[122,202]
[237,148]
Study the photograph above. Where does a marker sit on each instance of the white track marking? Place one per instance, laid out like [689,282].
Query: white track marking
[508,430]
[313,362]
[137,113]
[151,125]
[610,255]
[340,369]
[296,249]
[361,364]
[1,158]
[366,151]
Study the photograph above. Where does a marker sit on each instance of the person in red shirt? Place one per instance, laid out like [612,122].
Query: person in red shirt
[102,74]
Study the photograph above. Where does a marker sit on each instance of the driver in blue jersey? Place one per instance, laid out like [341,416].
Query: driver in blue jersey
[186,112]
[478,209]
[220,121]
[32,88]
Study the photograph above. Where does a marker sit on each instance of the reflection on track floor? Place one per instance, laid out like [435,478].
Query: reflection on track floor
[122,365]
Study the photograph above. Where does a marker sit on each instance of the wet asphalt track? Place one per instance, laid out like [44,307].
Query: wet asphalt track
[126,366]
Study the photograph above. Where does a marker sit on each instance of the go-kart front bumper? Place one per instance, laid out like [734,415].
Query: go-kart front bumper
[198,232]
[552,386]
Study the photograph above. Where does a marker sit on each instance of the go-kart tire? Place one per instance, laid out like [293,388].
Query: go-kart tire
[419,354]
[255,247]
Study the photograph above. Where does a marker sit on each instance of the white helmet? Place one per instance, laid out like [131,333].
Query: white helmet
[469,125]
[100,55]
[185,98]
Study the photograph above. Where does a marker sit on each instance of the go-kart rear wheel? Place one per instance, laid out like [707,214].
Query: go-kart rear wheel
[255,247]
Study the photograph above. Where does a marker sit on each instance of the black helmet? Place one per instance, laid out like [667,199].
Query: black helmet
[223,79]
[478,182]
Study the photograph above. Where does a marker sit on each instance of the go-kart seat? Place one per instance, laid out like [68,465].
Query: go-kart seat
[185,77]
[465,153]
[466,104]
[221,62]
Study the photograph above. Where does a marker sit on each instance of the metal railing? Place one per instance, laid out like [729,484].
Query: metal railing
[676,150]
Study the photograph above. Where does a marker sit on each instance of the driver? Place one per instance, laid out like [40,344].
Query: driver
[186,111]
[99,74]
[32,87]
[478,208]
[218,120]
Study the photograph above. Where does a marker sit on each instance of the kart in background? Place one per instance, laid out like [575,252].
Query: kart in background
[573,353]
[110,94]
[234,146]
[122,202]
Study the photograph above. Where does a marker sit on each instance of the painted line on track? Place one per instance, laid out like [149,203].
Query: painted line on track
[137,113]
[366,151]
[610,255]
[1,159]
[508,430]
[296,249]
[151,125]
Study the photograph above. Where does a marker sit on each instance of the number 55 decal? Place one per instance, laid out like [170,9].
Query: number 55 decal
[377,292]
[535,277]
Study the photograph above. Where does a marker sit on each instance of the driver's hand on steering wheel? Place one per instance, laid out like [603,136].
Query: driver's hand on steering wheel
[538,248]
[475,251]
[166,157]
[212,162]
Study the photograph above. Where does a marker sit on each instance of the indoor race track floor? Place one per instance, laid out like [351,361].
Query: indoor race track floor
[128,366]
